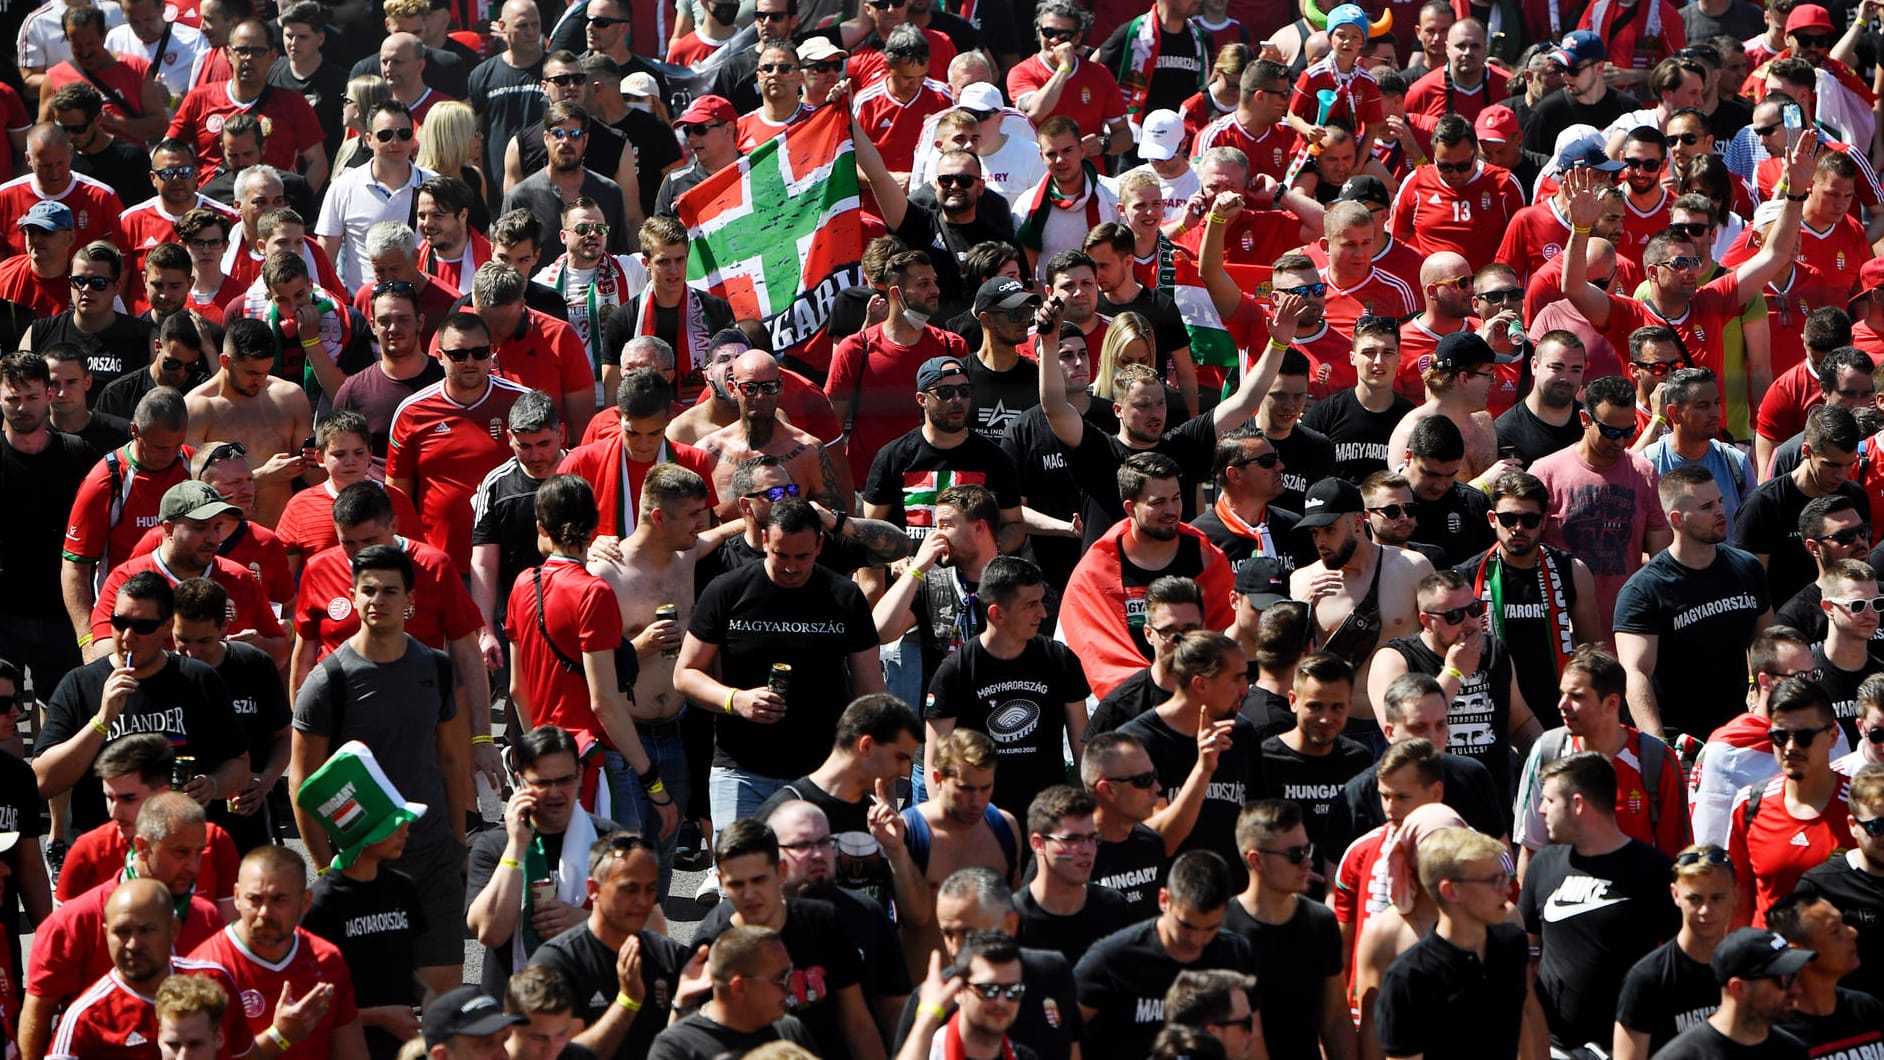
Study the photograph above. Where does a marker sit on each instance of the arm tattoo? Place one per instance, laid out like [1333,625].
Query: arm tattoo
[885,542]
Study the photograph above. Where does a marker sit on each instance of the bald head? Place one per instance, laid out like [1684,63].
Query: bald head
[1444,266]
[402,45]
[755,366]
[516,9]
[140,897]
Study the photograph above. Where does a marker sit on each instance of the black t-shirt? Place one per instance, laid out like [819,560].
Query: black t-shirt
[1045,485]
[503,511]
[1048,1022]
[22,811]
[1308,456]
[1469,791]
[1842,686]
[824,961]
[1293,962]
[445,70]
[1767,524]
[879,947]
[602,155]
[1559,110]
[1238,778]
[1531,439]
[102,433]
[185,701]
[1479,717]
[1697,614]
[1293,549]
[122,165]
[1440,1001]
[1096,468]
[124,346]
[33,535]
[655,148]
[1135,868]
[1314,783]
[1270,713]
[1001,398]
[509,98]
[927,229]
[1854,1028]
[1666,993]
[1860,897]
[1133,696]
[256,695]
[815,628]
[1105,911]
[1706,1043]
[850,824]
[909,473]
[588,966]
[326,91]
[1360,437]
[1125,975]
[1456,523]
[699,1038]
[375,923]
[1179,70]
[1597,916]
[1020,703]
[1528,632]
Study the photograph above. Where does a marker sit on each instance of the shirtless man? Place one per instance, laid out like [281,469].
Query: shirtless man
[756,382]
[961,826]
[799,403]
[1457,386]
[1362,594]
[719,411]
[269,416]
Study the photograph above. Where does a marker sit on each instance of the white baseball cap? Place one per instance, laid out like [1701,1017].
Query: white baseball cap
[639,84]
[980,96]
[1161,136]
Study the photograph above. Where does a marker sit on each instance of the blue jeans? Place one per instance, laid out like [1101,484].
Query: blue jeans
[902,668]
[631,808]
[735,794]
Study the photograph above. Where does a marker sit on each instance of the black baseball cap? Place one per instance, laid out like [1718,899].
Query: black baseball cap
[1004,293]
[1262,581]
[1462,349]
[466,1010]
[1752,953]
[1329,500]
[1364,188]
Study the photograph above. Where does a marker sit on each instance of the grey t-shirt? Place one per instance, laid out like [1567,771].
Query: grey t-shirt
[395,709]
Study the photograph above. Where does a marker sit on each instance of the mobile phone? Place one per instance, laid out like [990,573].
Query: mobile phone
[307,443]
[1507,452]
[1793,116]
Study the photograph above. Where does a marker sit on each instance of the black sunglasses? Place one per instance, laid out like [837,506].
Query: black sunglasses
[1512,520]
[1456,615]
[1687,139]
[1647,165]
[1293,855]
[1614,434]
[990,991]
[1800,738]
[225,451]
[1875,735]
[778,68]
[951,391]
[385,136]
[476,353]
[1815,40]
[774,494]
[1847,537]
[96,283]
[1145,781]
[955,180]
[824,66]
[1503,294]
[566,80]
[1454,167]
[1409,510]
[141,626]
[1264,460]
[1764,130]
[1056,33]
[175,172]
[1691,229]
[604,22]
[394,287]
[1710,855]
[1657,367]
[9,704]
[1873,827]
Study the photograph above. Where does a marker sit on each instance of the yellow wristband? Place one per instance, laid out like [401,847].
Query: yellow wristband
[1660,420]
[1454,673]
[86,640]
[1066,68]
[281,1040]
[658,787]
[510,863]
[100,729]
[627,1002]
[917,575]
[486,738]
[728,705]
[1579,231]
[1217,218]
[933,1009]
[308,344]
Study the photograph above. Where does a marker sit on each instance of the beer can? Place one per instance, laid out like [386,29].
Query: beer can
[542,891]
[668,613]
[181,771]
[780,679]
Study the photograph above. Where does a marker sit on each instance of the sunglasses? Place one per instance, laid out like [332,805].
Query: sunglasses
[1764,130]
[208,244]
[1875,735]
[1513,520]
[394,287]
[590,228]
[700,128]
[769,386]
[1292,855]
[1691,229]
[171,364]
[774,494]
[568,134]
[1454,167]
[143,627]
[604,22]
[1873,827]
[1502,294]
[1647,165]
[955,180]
[1143,781]
[1409,510]
[385,136]
[951,391]
[225,451]
[248,51]
[566,80]
[1682,263]
[1265,460]
[1800,738]
[1601,283]
[1815,40]
[829,842]
[771,16]
[9,704]
[989,991]
[1859,605]
[778,68]
[175,172]
[1307,290]
[1056,33]
[96,283]
[1614,434]
[1708,855]
[824,66]
[1657,367]
[1455,615]
[476,353]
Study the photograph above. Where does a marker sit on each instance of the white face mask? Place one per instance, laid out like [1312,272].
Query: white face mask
[645,108]
[915,316]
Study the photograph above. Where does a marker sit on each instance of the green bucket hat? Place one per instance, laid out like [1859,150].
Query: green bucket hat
[355,802]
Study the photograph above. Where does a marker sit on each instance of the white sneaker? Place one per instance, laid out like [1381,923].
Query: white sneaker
[708,893]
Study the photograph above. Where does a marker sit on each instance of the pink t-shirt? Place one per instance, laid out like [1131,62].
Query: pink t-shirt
[1601,515]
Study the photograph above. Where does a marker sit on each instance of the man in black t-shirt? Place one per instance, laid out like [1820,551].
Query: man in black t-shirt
[1006,384]
[1452,514]
[1759,989]
[907,475]
[1311,764]
[1767,523]
[753,979]
[255,694]
[1843,659]
[1546,420]
[1673,988]
[1244,522]
[1131,858]
[1360,421]
[1173,606]
[46,465]
[1124,976]
[936,601]
[1178,63]
[1061,909]
[1393,515]
[957,221]
[1596,901]
[1832,1019]
[1308,456]
[1855,882]
[622,873]
[1111,246]
[114,344]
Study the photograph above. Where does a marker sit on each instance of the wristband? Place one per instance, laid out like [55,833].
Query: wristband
[916,574]
[510,863]
[1579,231]
[728,705]
[486,738]
[1066,68]
[1273,344]
[1453,672]
[281,1040]
[651,780]
[1795,198]
[1184,225]
[1661,420]
[1217,218]
[308,344]
[837,527]
[86,640]
[933,1009]
[655,788]
[100,729]
[627,1002]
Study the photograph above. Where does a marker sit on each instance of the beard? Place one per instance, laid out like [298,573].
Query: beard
[1157,531]
[1342,553]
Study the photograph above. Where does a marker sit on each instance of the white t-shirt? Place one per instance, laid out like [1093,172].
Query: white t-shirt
[1013,170]
[187,45]
[41,41]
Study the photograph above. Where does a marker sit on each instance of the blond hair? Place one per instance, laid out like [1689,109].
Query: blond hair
[448,139]
[1125,329]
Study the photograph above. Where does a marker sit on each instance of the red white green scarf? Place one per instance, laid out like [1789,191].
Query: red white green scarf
[1048,198]
[605,293]
[1489,586]
[690,338]
[1139,60]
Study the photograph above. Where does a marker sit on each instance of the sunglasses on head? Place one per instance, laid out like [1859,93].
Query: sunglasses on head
[1513,520]
[1307,290]
[225,451]
[1709,855]
[951,391]
[1456,615]
[1647,165]
[96,283]
[175,172]
[566,80]
[385,136]
[1145,781]
[990,991]
[774,494]
[1858,605]
[766,386]
[394,287]
[1292,855]
[1454,167]
[475,353]
[1800,738]
[955,180]
[141,626]
[1409,510]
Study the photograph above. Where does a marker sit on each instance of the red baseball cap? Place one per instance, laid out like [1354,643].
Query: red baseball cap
[707,109]
[1870,278]
[1809,16]
[1497,124]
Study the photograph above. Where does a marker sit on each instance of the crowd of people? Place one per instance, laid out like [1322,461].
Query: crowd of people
[1332,534]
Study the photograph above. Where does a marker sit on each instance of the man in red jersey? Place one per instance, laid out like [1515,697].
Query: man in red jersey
[530,349]
[38,278]
[1457,202]
[452,250]
[1057,80]
[1794,81]
[297,132]
[154,221]
[1537,233]
[1645,199]
[1466,85]
[1831,239]
[136,104]
[1256,127]
[618,464]
[1356,286]
[1798,819]
[1446,281]
[1410,776]
[891,111]
[276,963]
[93,205]
[1393,257]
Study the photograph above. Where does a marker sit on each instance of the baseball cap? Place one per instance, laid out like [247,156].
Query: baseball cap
[1262,581]
[1750,953]
[1809,16]
[980,97]
[1587,153]
[818,49]
[193,500]
[468,1011]
[1870,277]
[1579,47]
[1161,136]
[1364,188]
[1329,500]
[706,109]
[1498,124]
[640,84]
[48,215]
[936,369]
[1002,292]
[1461,349]
[1767,212]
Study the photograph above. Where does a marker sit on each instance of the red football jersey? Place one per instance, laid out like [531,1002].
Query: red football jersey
[896,127]
[455,272]
[306,525]
[1434,96]
[1788,303]
[1837,252]
[1783,409]
[1469,221]
[1778,847]
[311,960]
[1396,259]
[1090,97]
[248,602]
[148,224]
[95,209]
[580,611]
[1700,328]
[1767,174]
[1357,95]
[1639,225]
[1268,153]
[1327,348]
[547,356]
[111,1019]
[1535,235]
[105,527]
[69,952]
[445,449]
[867,66]
[1417,344]
[97,857]
[250,545]
[442,610]
[45,297]
[125,77]
[602,463]
[286,117]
